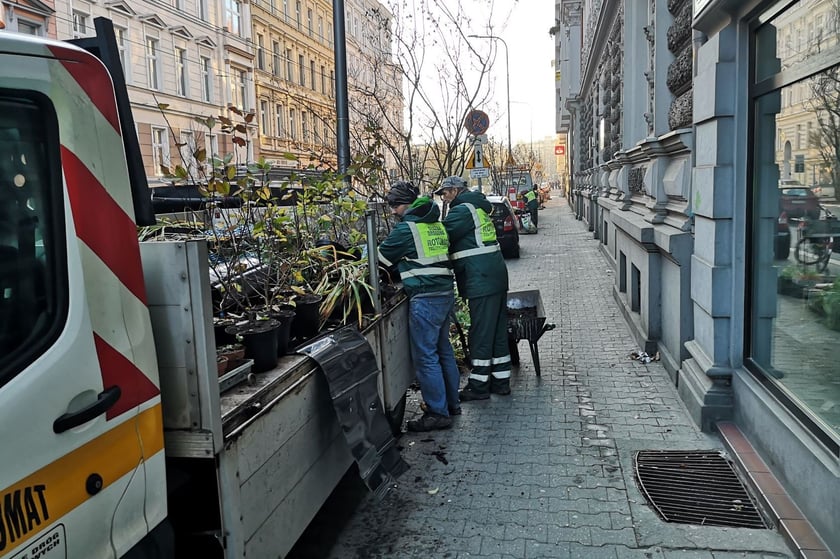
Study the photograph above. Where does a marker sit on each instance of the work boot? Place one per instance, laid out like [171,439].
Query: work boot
[429,422]
[501,388]
[452,410]
[471,393]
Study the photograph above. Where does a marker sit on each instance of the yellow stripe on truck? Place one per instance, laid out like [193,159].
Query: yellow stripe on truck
[40,499]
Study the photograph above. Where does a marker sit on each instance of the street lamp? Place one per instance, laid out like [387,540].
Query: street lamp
[507,77]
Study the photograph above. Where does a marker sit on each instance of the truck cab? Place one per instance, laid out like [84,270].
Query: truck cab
[80,398]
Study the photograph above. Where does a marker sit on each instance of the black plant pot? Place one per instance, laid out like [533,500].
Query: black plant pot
[220,333]
[307,316]
[285,317]
[260,340]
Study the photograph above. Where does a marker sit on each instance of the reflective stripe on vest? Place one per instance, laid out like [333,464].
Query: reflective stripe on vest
[485,232]
[426,272]
[432,246]
[474,251]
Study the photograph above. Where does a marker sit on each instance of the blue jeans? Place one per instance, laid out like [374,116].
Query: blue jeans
[434,360]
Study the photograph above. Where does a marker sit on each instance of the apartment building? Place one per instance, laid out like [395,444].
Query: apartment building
[294,69]
[182,59]
[188,60]
[375,83]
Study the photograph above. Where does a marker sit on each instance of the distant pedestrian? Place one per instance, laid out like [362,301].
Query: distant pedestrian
[482,279]
[532,204]
[419,249]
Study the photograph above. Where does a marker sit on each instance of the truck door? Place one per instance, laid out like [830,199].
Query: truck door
[80,421]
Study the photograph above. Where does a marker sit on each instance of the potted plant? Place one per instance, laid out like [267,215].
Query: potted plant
[831,305]
[295,241]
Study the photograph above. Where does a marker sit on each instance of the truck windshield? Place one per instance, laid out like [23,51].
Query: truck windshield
[30,197]
[516,180]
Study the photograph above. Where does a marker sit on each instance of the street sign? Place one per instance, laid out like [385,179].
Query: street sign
[560,150]
[480,173]
[476,122]
[476,159]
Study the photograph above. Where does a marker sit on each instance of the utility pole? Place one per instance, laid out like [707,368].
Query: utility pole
[507,80]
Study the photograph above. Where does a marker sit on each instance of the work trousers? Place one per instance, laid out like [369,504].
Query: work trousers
[535,216]
[488,343]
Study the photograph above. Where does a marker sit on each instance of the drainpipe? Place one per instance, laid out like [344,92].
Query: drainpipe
[341,105]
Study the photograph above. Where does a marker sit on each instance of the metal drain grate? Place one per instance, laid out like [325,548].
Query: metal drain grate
[695,487]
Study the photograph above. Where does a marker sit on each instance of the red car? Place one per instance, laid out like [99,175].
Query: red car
[799,202]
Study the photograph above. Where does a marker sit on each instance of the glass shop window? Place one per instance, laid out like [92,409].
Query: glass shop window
[795,279]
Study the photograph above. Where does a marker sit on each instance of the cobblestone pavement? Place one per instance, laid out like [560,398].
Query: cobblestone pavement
[547,472]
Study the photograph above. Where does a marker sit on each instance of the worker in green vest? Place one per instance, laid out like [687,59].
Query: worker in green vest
[532,204]
[482,278]
[418,248]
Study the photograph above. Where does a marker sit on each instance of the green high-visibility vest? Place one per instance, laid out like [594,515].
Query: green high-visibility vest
[488,229]
[432,246]
[530,196]
[430,242]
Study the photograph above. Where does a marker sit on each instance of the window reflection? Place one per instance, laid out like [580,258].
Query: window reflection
[796,284]
[798,35]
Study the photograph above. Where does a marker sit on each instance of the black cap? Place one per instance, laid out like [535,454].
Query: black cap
[401,192]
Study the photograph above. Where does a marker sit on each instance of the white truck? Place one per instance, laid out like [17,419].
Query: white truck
[116,439]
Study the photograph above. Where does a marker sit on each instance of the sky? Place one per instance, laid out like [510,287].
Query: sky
[531,56]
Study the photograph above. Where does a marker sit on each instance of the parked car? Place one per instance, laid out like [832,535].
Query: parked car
[799,202]
[507,225]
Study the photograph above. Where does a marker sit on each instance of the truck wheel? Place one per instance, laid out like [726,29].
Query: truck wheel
[396,416]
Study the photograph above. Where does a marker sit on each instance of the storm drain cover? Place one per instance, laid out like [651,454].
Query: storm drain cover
[695,487]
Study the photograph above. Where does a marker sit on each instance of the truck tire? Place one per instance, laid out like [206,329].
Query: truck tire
[396,416]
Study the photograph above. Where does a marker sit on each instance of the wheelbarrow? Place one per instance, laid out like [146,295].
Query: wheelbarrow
[526,321]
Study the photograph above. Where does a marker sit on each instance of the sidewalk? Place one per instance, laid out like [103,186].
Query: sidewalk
[548,471]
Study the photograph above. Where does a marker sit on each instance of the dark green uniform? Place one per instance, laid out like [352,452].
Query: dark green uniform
[532,204]
[482,278]
[420,230]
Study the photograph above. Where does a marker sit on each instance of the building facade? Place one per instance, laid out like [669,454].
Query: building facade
[268,65]
[294,71]
[686,165]
[181,60]
[375,83]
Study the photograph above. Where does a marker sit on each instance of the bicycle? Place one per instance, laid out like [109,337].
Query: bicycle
[816,240]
